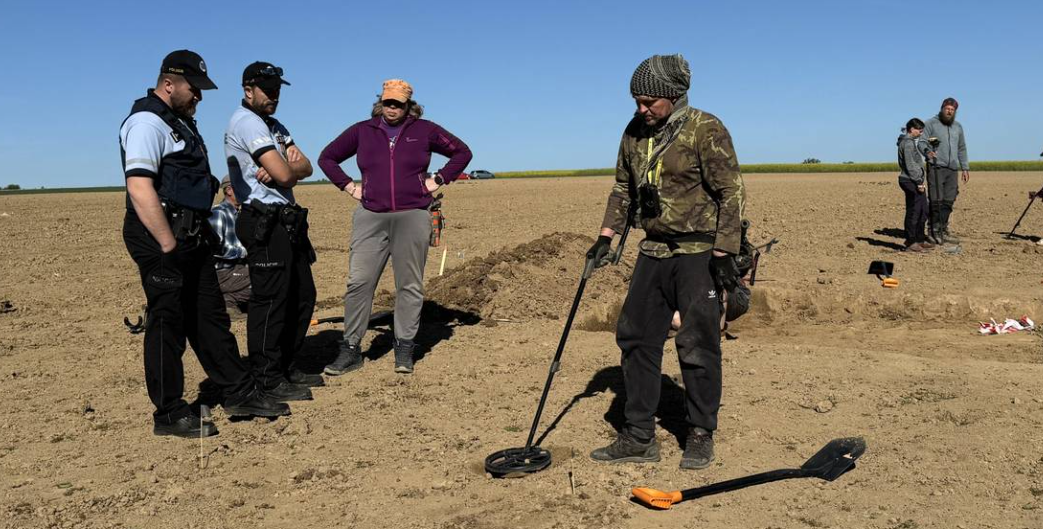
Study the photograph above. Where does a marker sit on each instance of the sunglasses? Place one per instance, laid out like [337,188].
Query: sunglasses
[393,103]
[270,71]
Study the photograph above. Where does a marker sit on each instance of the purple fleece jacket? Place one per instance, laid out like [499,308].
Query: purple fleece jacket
[393,177]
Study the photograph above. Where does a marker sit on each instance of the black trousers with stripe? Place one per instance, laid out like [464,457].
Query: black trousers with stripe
[282,299]
[184,303]
[658,288]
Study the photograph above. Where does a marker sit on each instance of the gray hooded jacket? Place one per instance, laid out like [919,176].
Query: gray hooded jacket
[910,160]
[952,149]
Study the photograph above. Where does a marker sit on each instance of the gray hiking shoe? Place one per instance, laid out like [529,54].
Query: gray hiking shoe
[698,450]
[949,238]
[349,359]
[404,356]
[627,449]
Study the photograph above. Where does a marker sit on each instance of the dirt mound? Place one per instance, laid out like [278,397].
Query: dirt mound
[534,280]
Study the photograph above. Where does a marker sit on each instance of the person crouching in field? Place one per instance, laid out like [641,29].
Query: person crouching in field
[913,182]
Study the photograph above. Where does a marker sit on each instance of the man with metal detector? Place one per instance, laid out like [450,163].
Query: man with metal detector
[943,183]
[679,165]
[169,192]
[265,164]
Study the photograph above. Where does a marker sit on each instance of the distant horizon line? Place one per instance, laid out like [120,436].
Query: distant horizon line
[757,168]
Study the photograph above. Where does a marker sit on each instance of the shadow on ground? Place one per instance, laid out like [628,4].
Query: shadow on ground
[670,414]
[896,233]
[437,323]
[881,244]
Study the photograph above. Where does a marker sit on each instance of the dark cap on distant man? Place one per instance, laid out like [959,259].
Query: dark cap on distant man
[264,75]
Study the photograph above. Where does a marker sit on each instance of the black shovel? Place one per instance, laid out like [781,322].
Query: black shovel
[833,461]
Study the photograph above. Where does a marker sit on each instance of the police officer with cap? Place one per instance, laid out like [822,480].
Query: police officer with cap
[169,193]
[265,165]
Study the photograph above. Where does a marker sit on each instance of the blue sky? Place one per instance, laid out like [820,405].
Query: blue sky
[528,85]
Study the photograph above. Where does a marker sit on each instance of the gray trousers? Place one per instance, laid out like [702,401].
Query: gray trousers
[943,185]
[402,235]
[235,285]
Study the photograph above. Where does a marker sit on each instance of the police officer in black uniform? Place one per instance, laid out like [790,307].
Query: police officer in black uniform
[169,193]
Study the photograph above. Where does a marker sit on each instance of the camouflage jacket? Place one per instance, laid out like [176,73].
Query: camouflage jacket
[701,191]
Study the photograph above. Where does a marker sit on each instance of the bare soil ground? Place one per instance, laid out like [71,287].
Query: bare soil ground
[952,419]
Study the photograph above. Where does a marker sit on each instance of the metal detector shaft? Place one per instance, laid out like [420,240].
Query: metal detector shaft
[631,212]
[555,365]
[1023,213]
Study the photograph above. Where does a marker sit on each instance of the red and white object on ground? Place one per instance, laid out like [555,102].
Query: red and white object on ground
[1007,327]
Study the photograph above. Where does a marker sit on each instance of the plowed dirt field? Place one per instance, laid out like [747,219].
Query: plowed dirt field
[953,420]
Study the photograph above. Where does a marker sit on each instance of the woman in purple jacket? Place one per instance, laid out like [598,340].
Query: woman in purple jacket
[393,152]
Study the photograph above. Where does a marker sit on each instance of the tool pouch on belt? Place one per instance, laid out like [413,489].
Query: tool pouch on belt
[266,219]
[184,223]
[295,220]
[437,225]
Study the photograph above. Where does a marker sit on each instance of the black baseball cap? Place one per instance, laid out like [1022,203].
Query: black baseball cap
[263,74]
[189,65]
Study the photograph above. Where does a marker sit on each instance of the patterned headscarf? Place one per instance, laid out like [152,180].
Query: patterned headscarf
[661,76]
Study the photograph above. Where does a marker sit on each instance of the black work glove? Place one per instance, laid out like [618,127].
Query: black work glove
[597,255]
[725,273]
[599,252]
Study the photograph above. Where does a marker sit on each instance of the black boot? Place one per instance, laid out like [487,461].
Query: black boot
[404,356]
[934,234]
[254,403]
[628,449]
[311,380]
[188,426]
[287,391]
[349,359]
[698,449]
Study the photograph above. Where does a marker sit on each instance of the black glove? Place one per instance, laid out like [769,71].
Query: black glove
[599,252]
[725,273]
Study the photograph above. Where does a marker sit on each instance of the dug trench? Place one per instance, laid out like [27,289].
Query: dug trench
[536,280]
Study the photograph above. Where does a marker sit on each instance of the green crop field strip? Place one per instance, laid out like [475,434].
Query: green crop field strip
[774,168]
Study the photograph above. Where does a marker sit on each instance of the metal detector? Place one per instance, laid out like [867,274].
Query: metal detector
[1032,198]
[516,462]
[832,461]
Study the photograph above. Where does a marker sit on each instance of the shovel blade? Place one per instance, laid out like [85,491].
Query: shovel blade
[881,268]
[836,458]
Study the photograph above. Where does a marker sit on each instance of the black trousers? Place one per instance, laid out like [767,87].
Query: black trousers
[282,299]
[943,186]
[657,289]
[184,302]
[915,212]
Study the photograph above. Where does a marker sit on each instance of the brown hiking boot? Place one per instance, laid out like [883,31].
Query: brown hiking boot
[915,248]
[927,246]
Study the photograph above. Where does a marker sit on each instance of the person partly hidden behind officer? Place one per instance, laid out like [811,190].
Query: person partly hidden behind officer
[169,192]
[230,255]
[678,164]
[264,165]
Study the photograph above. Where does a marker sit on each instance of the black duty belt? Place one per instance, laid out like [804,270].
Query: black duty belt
[291,216]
